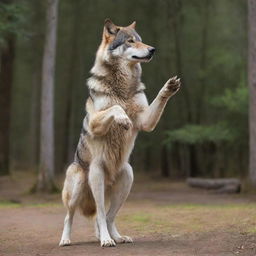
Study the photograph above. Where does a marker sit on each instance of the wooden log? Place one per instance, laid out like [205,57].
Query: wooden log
[230,185]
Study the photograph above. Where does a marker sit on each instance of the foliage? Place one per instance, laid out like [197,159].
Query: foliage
[233,101]
[12,19]
[197,134]
[233,105]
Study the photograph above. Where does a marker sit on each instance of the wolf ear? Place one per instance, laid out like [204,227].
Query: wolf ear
[110,27]
[133,25]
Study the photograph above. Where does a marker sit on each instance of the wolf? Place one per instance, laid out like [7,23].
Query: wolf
[116,110]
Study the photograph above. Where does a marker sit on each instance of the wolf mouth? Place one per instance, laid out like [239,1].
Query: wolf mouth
[142,58]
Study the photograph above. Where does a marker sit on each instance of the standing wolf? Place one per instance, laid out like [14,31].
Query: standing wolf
[117,109]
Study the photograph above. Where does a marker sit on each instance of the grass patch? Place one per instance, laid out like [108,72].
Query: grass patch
[41,205]
[252,230]
[140,218]
[9,204]
[211,206]
[181,219]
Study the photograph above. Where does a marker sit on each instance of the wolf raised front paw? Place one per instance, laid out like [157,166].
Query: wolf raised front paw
[124,121]
[171,87]
[121,117]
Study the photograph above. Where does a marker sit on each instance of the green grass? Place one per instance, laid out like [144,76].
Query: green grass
[9,204]
[45,205]
[211,206]
[252,230]
[140,218]
[188,218]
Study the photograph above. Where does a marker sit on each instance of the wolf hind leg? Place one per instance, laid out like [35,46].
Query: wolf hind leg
[97,184]
[96,228]
[71,196]
[119,194]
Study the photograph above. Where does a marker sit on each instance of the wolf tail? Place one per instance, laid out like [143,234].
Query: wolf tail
[76,191]
[87,204]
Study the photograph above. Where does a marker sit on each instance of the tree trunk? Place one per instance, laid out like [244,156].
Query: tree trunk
[164,162]
[252,88]
[68,151]
[175,17]
[203,60]
[176,21]
[35,118]
[6,79]
[36,43]
[194,166]
[147,159]
[46,166]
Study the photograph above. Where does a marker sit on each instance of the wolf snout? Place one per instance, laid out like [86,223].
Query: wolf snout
[151,50]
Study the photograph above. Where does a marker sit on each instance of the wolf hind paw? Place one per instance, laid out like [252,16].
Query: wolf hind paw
[123,239]
[108,243]
[65,242]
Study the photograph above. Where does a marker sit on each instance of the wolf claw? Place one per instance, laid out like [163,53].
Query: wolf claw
[108,243]
[171,87]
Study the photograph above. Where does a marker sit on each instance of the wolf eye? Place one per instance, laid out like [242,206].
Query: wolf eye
[131,41]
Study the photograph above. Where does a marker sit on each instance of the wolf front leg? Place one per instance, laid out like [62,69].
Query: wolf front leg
[151,115]
[101,121]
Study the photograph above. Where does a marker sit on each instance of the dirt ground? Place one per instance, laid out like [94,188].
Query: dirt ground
[163,217]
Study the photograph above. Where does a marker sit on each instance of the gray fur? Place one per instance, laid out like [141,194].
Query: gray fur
[121,38]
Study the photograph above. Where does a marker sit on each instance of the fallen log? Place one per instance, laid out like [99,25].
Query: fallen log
[230,185]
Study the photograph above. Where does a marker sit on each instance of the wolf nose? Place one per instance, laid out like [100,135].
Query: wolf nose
[151,50]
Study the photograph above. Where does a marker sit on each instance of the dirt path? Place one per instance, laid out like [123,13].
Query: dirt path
[163,219]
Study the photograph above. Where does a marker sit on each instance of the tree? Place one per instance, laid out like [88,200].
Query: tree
[6,78]
[46,165]
[252,88]
[37,17]
[176,19]
[11,15]
[68,149]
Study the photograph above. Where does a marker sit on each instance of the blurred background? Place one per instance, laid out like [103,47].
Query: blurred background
[208,129]
[204,130]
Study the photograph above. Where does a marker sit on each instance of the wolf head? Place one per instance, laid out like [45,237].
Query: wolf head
[125,43]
